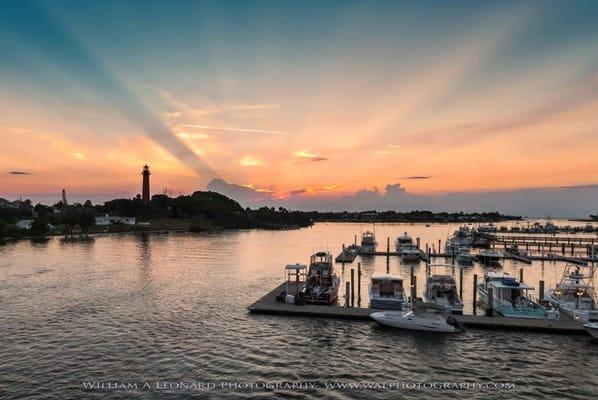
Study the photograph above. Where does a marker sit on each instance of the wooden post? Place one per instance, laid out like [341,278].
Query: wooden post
[414,288]
[475,293]
[417,240]
[489,310]
[347,289]
[438,246]
[427,249]
[352,287]
[453,251]
[572,249]
[359,284]
[412,278]
[521,275]
[563,250]
[541,291]
[388,255]
[461,283]
[355,243]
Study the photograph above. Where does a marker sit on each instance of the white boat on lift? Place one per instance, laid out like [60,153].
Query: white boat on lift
[574,294]
[368,243]
[403,241]
[441,288]
[428,317]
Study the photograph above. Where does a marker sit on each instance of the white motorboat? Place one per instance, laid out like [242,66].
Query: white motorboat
[321,284]
[442,289]
[387,292]
[428,317]
[592,329]
[510,298]
[574,294]
[368,243]
[403,241]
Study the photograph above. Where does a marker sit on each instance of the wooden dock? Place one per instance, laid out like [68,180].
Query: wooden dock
[268,305]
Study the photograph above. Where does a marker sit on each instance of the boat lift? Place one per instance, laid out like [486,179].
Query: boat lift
[296,270]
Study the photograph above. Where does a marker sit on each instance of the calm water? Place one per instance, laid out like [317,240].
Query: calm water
[171,309]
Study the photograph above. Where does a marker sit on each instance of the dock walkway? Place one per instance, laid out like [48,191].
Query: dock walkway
[268,305]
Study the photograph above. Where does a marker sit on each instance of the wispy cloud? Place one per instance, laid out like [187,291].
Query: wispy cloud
[174,114]
[242,130]
[188,135]
[254,107]
[19,173]
[304,155]
[249,161]
[416,177]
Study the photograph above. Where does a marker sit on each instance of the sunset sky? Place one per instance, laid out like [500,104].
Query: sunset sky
[297,99]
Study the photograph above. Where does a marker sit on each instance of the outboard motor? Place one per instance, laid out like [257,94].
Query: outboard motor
[451,320]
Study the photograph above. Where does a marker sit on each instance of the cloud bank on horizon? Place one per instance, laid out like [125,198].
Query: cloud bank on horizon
[572,201]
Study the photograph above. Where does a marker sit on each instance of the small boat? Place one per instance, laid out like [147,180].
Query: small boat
[442,289]
[514,249]
[387,292]
[462,236]
[592,329]
[489,257]
[489,228]
[403,241]
[348,254]
[410,253]
[321,284]
[465,257]
[510,298]
[428,317]
[368,243]
[574,294]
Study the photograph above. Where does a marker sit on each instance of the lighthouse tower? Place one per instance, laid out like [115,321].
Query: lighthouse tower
[145,192]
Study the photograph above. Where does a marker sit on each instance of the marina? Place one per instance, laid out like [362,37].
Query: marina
[498,300]
[268,305]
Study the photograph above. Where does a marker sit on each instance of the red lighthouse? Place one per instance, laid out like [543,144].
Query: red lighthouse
[145,192]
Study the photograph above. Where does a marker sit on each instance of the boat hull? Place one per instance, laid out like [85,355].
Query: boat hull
[592,329]
[510,312]
[399,320]
[573,313]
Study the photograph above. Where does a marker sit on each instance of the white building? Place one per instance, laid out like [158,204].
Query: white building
[24,224]
[111,220]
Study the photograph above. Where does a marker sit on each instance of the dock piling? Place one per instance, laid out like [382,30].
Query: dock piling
[388,255]
[521,275]
[347,289]
[414,288]
[490,307]
[461,283]
[352,287]
[475,293]
[541,291]
[359,284]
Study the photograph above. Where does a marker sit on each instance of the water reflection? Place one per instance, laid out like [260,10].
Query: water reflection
[173,305]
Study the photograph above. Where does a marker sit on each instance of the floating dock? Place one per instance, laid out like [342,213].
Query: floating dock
[269,305]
